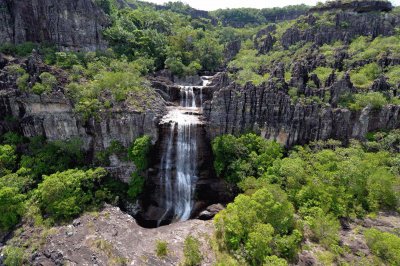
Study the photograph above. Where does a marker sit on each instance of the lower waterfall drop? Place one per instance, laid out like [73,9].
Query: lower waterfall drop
[178,182]
[183,162]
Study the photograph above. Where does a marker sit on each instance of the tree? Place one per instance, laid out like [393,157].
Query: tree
[140,151]
[11,207]
[66,194]
[259,242]
[7,159]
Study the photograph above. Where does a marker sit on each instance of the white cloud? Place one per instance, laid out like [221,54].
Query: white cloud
[215,4]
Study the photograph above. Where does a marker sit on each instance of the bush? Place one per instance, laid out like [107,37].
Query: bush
[46,158]
[239,157]
[48,80]
[14,256]
[66,194]
[274,261]
[66,59]
[22,82]
[140,151]
[22,50]
[191,251]
[259,242]
[324,227]
[11,207]
[39,88]
[7,159]
[375,100]
[393,73]
[323,74]
[364,76]
[136,185]
[384,245]
[161,248]
[265,206]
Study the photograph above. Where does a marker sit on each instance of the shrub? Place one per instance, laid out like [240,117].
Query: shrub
[12,138]
[259,242]
[140,151]
[66,59]
[384,245]
[48,80]
[239,157]
[191,251]
[39,88]
[14,256]
[46,158]
[393,74]
[15,70]
[275,261]
[66,194]
[364,76]
[323,74]
[135,186]
[324,227]
[161,248]
[7,159]
[375,100]
[22,82]
[11,207]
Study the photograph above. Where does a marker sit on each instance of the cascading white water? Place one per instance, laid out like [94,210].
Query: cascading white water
[179,172]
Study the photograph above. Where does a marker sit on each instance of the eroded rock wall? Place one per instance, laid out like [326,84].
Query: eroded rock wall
[70,24]
[270,112]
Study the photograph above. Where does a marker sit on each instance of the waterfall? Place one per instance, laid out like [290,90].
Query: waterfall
[179,170]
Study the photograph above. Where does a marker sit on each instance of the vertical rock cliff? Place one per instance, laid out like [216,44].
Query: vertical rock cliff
[70,24]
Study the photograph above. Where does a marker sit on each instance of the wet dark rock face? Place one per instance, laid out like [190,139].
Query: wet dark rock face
[181,181]
[70,24]
[208,189]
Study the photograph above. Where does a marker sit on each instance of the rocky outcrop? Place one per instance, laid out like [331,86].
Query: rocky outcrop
[270,112]
[114,238]
[70,24]
[52,116]
[346,26]
[355,6]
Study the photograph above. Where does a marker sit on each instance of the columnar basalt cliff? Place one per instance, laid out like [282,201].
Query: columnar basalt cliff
[269,111]
[68,24]
[354,6]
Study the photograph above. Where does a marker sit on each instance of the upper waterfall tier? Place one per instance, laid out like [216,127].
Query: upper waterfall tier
[183,116]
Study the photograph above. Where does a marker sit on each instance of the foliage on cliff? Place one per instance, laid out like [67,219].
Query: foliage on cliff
[320,183]
[42,179]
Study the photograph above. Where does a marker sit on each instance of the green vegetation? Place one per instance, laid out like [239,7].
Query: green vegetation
[47,84]
[364,76]
[240,17]
[384,245]
[139,154]
[375,100]
[191,251]
[323,73]
[40,179]
[161,248]
[239,157]
[305,192]
[14,256]
[23,49]
[64,195]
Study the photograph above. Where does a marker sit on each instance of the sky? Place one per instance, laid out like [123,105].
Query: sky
[216,4]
